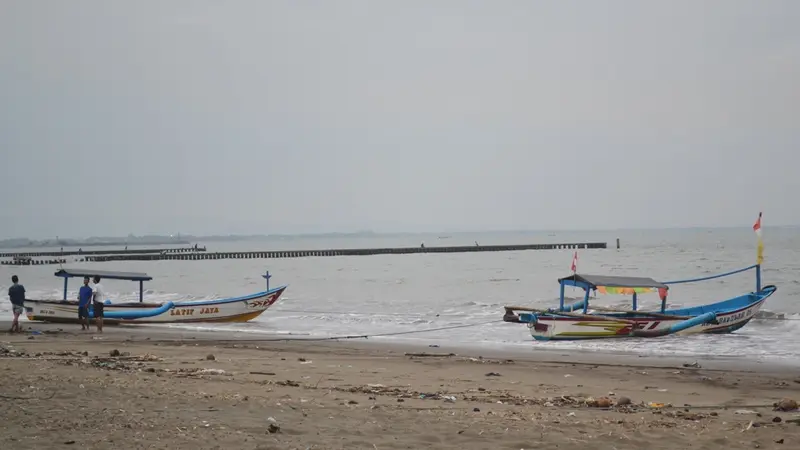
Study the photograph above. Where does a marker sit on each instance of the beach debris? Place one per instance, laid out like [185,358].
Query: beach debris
[786,405]
[600,402]
[114,353]
[493,374]
[622,401]
[779,441]
[656,405]
[262,373]
[433,346]
[476,410]
[301,359]
[211,357]
[273,426]
[745,411]
[430,355]
[695,365]
[481,360]
[207,372]
[777,420]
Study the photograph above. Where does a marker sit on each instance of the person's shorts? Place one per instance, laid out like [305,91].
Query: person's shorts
[98,310]
[83,312]
[18,309]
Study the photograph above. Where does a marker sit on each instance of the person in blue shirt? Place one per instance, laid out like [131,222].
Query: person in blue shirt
[84,297]
[16,293]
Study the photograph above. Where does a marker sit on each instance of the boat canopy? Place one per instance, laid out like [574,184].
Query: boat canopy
[128,276]
[613,285]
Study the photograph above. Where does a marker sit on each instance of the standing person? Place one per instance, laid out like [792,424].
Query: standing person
[16,293]
[97,303]
[84,297]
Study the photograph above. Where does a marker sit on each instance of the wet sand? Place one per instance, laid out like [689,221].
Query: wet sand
[190,390]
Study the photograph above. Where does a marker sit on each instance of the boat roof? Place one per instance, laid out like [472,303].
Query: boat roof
[129,276]
[596,281]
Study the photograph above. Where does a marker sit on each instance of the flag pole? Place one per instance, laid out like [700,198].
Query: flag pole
[759,251]
[574,268]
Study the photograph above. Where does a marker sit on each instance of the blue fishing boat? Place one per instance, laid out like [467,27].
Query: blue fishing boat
[234,309]
[583,321]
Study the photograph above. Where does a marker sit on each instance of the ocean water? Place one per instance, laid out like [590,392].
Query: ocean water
[408,294]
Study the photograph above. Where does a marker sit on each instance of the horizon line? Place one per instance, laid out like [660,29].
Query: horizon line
[329,233]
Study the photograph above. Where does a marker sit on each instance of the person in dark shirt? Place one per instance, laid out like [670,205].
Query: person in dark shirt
[16,293]
[84,297]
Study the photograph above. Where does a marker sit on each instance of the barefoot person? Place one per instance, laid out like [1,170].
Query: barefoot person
[84,297]
[97,303]
[16,293]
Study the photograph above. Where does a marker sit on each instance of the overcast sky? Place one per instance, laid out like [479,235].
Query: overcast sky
[204,117]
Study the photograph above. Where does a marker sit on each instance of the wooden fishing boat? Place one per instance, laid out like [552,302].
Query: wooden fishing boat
[236,309]
[580,321]
[564,323]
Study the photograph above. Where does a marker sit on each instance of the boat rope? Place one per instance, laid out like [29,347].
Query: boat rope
[346,313]
[692,280]
[396,333]
[308,339]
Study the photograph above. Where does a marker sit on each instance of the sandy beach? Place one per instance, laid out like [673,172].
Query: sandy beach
[147,387]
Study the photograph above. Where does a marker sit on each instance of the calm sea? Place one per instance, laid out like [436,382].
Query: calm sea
[364,295]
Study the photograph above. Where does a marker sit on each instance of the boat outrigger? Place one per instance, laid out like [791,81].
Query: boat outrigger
[237,309]
[577,321]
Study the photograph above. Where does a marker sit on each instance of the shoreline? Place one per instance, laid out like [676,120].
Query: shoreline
[164,334]
[179,389]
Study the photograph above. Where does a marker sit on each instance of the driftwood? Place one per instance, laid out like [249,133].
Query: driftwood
[14,397]
[431,355]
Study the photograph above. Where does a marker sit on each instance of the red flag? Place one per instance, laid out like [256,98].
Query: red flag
[757,225]
[575,262]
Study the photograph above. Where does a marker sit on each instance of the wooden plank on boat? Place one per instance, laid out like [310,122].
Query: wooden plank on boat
[509,310]
[643,313]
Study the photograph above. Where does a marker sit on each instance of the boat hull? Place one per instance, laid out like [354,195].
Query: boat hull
[731,315]
[240,309]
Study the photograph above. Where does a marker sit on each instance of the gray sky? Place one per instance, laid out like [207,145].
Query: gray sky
[304,116]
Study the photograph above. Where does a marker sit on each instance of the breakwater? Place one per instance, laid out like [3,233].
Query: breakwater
[347,252]
[202,254]
[81,252]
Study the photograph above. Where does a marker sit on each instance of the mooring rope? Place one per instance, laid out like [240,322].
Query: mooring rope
[288,339]
[692,280]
